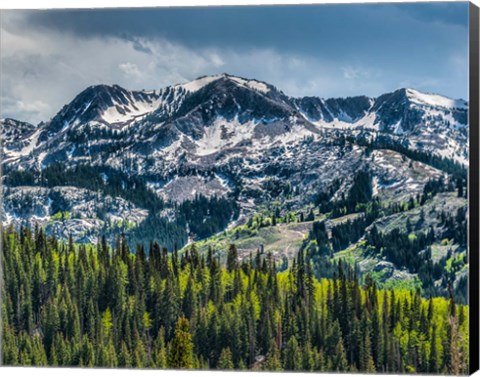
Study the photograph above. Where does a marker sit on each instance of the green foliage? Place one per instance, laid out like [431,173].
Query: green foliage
[292,355]
[273,360]
[86,305]
[65,215]
[180,354]
[225,362]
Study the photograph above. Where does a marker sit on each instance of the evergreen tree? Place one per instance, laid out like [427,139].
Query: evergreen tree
[273,360]
[232,258]
[79,305]
[180,354]
[292,355]
[225,360]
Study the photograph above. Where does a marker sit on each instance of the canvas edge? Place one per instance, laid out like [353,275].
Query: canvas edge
[474,305]
[474,206]
[1,211]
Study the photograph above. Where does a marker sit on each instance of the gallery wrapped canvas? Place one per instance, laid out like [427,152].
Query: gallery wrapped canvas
[257,188]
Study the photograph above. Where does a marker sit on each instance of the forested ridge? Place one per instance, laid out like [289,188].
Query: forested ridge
[94,305]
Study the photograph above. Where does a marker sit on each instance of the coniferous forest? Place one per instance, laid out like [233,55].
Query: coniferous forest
[65,304]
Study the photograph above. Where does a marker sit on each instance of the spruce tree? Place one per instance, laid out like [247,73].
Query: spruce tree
[180,353]
[225,361]
[292,355]
[273,359]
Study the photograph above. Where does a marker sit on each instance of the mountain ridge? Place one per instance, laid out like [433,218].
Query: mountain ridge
[199,82]
[402,112]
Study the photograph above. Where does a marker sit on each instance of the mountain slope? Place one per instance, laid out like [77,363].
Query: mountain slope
[189,161]
[208,125]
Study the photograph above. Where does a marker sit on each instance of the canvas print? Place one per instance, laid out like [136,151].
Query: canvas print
[261,188]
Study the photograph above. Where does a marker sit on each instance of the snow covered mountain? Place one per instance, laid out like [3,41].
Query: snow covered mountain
[227,137]
[211,113]
[112,106]
[425,122]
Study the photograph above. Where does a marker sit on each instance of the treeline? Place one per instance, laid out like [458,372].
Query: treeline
[198,218]
[386,142]
[85,305]
[104,179]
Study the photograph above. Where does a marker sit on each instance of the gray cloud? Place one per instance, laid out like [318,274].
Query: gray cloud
[48,57]
[46,70]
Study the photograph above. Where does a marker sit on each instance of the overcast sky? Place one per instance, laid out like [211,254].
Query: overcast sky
[48,57]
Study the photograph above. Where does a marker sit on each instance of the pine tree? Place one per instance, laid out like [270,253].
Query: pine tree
[433,363]
[159,355]
[273,360]
[124,358]
[189,299]
[232,258]
[339,358]
[107,323]
[180,353]
[225,361]
[169,307]
[292,355]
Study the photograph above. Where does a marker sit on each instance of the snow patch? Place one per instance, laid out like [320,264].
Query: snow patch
[127,113]
[199,83]
[435,100]
[368,122]
[252,84]
[223,134]
[397,128]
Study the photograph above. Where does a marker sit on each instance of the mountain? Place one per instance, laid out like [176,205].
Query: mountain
[18,139]
[204,159]
[112,106]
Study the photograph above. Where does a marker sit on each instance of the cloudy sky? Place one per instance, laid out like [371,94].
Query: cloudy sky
[47,57]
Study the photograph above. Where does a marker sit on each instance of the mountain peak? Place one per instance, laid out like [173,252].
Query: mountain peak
[103,87]
[107,95]
[104,104]
[252,84]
